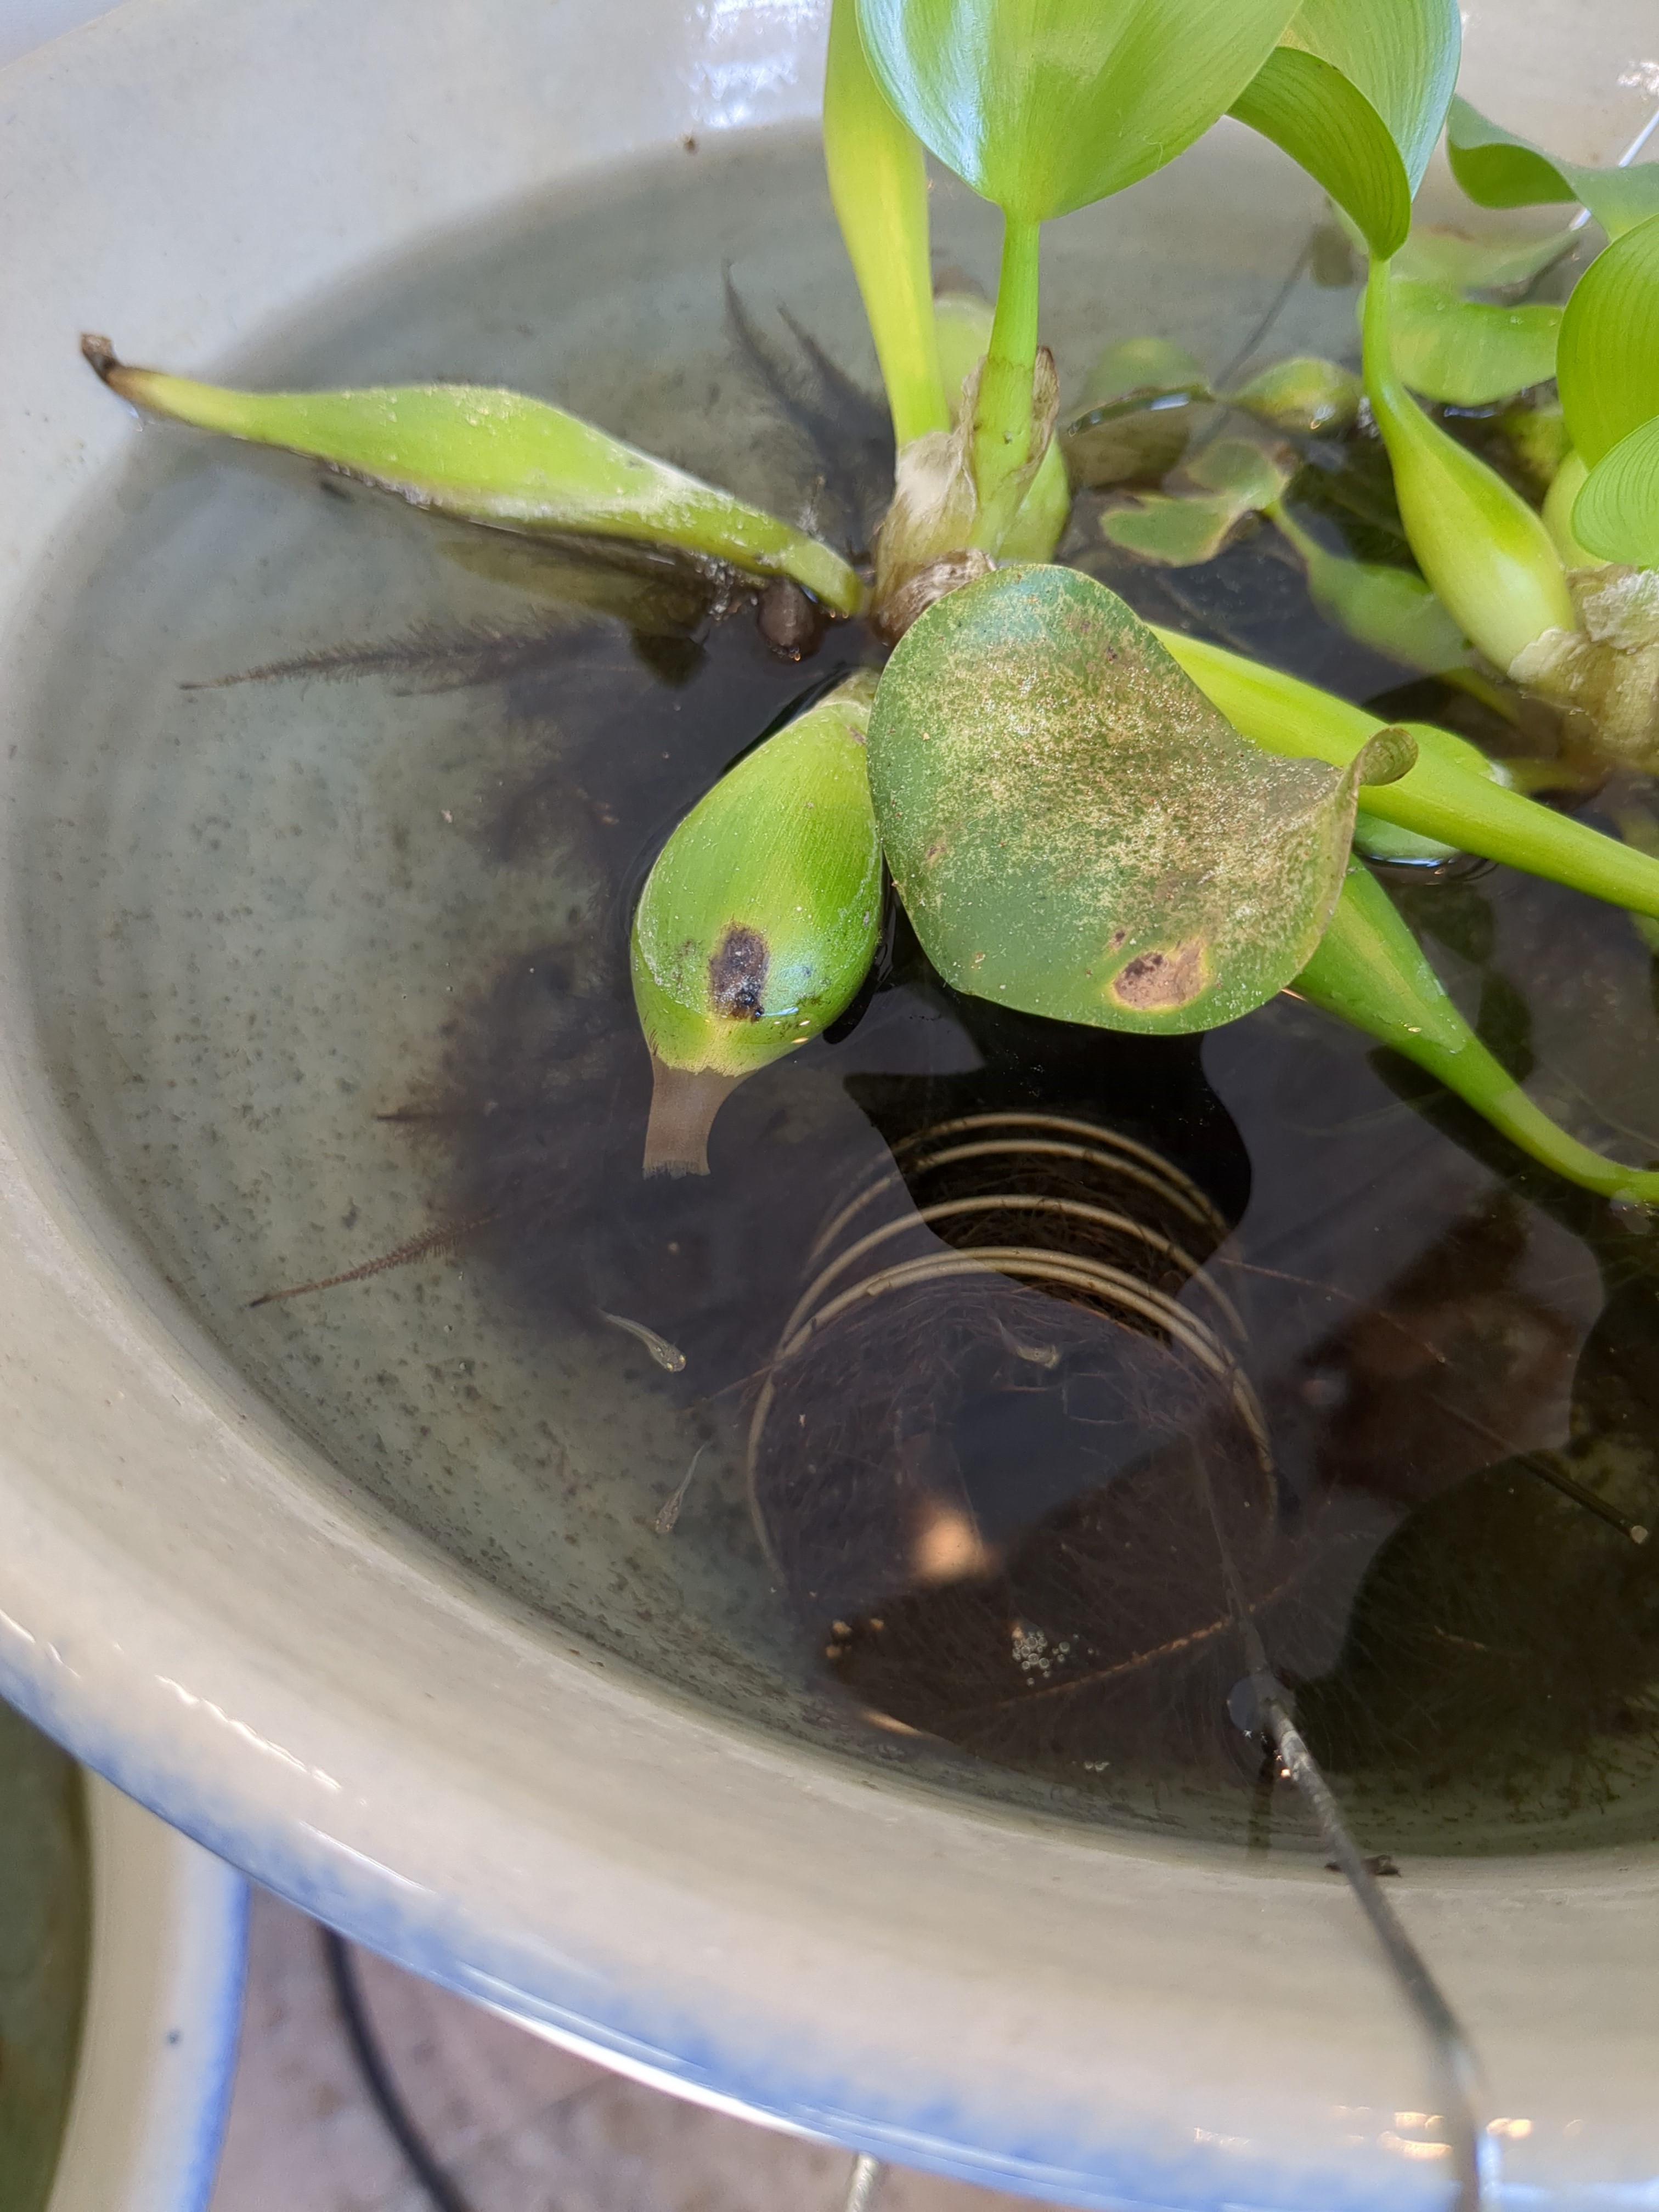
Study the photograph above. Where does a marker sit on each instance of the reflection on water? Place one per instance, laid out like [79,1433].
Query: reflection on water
[933,1424]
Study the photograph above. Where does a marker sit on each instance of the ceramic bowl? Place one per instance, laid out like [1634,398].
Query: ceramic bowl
[287,1673]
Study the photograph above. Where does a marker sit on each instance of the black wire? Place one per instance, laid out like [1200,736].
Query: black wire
[377,2079]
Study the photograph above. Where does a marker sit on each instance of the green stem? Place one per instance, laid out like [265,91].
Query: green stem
[1002,419]
[1485,552]
[1370,971]
[1448,795]
[878,186]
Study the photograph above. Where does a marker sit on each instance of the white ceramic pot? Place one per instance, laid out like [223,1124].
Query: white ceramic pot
[317,1696]
[163,2012]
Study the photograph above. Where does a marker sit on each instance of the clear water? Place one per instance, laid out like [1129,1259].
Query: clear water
[327,962]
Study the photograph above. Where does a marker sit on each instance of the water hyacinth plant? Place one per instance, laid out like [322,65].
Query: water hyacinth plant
[1085,818]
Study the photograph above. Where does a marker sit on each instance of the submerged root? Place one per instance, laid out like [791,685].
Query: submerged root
[417,1248]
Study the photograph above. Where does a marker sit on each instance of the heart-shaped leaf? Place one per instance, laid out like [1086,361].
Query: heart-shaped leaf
[1327,126]
[498,457]
[1469,352]
[1076,831]
[1609,359]
[1616,515]
[1134,369]
[1043,105]
[1233,479]
[1499,170]
[1608,366]
[1356,96]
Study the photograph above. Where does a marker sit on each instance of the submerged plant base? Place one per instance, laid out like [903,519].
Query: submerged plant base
[1605,673]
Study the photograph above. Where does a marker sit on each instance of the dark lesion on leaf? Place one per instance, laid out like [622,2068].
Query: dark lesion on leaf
[1159,981]
[736,974]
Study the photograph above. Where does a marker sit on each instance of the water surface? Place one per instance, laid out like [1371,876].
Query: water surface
[329,962]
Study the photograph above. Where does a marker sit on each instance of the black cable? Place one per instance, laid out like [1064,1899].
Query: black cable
[377,2079]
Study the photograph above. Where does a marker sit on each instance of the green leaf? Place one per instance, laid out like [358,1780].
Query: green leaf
[878,186]
[1234,478]
[1304,395]
[1391,609]
[1134,369]
[1499,170]
[1609,376]
[1479,264]
[497,457]
[1311,112]
[1140,399]
[1075,831]
[1609,353]
[1466,352]
[1370,971]
[1044,106]
[1357,95]
[1402,55]
[1616,515]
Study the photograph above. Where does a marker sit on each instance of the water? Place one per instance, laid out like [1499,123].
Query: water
[328,962]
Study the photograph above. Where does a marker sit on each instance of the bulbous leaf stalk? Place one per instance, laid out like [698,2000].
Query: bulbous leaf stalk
[1487,554]
[497,457]
[1449,794]
[1370,971]
[964,322]
[759,921]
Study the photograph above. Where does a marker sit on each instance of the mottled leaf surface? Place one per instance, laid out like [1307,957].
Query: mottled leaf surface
[1077,832]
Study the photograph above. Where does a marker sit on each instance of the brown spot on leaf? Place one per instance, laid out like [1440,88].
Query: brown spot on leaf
[736,974]
[1157,982]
